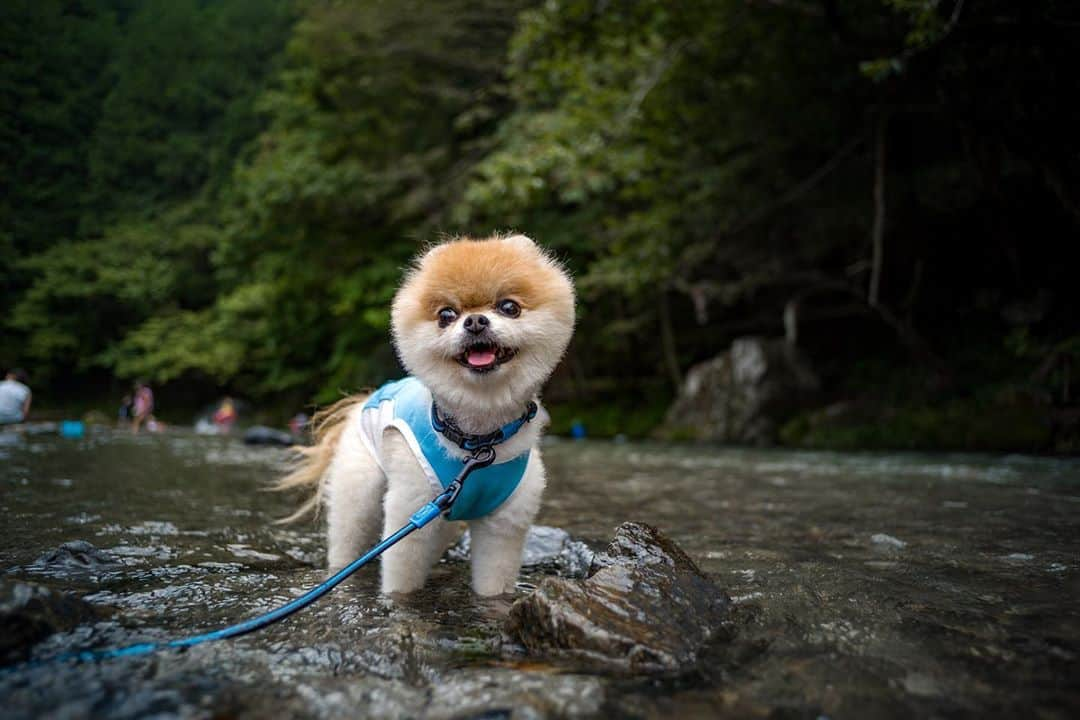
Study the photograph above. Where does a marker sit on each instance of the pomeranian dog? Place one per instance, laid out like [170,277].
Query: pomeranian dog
[479,325]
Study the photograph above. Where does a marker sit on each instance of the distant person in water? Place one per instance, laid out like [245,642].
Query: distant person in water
[126,411]
[142,406]
[14,397]
[298,423]
[225,415]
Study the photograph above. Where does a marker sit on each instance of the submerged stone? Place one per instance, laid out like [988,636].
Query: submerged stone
[77,555]
[30,612]
[882,540]
[645,608]
[502,693]
[488,694]
[261,435]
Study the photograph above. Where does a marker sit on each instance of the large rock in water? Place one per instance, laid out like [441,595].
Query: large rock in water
[744,394]
[30,612]
[644,608]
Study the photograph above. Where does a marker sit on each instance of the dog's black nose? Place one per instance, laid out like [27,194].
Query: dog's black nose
[476,324]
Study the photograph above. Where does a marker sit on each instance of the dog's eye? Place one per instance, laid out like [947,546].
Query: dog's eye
[509,308]
[446,316]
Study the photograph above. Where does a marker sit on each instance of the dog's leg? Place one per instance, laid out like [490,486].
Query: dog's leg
[354,490]
[497,540]
[496,555]
[405,567]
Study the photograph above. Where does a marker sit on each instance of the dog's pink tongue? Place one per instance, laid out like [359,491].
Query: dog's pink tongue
[481,358]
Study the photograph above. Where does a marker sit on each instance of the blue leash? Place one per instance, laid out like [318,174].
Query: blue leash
[481,458]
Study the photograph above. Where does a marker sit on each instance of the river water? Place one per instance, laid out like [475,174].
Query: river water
[863,585]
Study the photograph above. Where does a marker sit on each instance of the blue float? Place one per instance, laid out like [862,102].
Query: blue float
[72,429]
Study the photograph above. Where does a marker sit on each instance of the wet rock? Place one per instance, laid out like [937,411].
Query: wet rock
[547,549]
[30,612]
[362,696]
[98,418]
[77,555]
[261,435]
[743,395]
[516,695]
[493,694]
[887,542]
[645,608]
[39,428]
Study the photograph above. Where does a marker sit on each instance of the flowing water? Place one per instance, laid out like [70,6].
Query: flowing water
[863,585]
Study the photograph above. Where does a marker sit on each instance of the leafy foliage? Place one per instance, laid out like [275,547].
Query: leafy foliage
[225,193]
[126,237]
[50,87]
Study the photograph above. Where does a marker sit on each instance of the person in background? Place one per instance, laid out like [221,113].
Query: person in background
[142,406]
[298,423]
[126,411]
[14,397]
[225,415]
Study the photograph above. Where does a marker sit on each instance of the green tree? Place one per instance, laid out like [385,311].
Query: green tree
[380,112]
[182,102]
[51,88]
[179,107]
[729,159]
[649,142]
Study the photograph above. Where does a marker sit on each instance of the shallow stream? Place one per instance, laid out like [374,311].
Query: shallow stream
[863,585]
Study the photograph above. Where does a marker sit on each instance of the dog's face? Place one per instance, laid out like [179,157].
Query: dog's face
[484,316]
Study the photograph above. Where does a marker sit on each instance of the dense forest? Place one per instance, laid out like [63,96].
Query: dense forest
[220,196]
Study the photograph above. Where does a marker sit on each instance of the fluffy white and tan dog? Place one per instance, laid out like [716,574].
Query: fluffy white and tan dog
[479,325]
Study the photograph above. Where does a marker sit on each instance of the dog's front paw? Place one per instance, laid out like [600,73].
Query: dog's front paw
[492,585]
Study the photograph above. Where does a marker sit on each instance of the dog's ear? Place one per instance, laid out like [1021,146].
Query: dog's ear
[431,249]
[522,240]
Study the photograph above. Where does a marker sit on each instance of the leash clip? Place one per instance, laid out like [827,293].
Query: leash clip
[481,457]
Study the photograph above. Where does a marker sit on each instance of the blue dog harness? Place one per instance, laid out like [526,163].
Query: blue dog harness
[408,406]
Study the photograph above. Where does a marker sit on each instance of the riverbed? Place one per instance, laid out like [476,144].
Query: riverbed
[862,585]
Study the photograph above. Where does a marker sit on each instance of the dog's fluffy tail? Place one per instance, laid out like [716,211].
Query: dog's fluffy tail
[311,462]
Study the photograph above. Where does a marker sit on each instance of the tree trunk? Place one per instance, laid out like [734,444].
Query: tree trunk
[877,234]
[791,321]
[667,342]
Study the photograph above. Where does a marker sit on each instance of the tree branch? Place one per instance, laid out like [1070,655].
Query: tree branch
[803,8]
[650,82]
[877,234]
[667,341]
[907,334]
[800,188]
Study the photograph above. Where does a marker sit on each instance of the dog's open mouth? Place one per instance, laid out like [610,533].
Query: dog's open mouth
[481,357]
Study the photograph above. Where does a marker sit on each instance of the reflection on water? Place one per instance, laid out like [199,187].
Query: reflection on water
[886,585]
